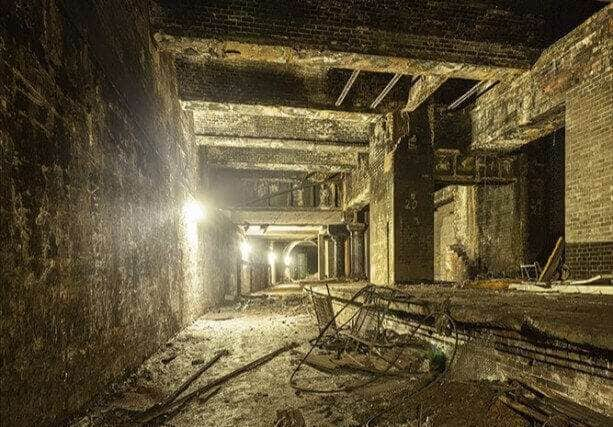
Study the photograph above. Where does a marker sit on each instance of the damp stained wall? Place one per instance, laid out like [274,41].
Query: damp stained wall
[98,264]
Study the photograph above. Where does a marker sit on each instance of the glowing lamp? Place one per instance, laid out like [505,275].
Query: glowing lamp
[245,248]
[272,257]
[194,211]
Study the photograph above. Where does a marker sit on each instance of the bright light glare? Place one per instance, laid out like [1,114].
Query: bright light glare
[288,261]
[272,257]
[194,211]
[245,250]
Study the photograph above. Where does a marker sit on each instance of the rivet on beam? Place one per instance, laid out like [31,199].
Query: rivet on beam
[347,87]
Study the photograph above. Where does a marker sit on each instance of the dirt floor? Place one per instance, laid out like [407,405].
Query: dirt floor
[252,329]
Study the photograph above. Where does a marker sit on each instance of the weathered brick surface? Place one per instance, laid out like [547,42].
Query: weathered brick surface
[356,184]
[589,161]
[589,166]
[452,31]
[98,266]
[494,229]
[447,264]
[381,203]
[571,85]
[586,260]
[414,202]
[401,201]
[517,111]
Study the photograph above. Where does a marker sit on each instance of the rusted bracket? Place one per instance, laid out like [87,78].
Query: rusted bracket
[473,168]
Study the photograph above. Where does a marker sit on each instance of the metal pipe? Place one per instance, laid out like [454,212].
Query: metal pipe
[347,87]
[386,90]
[477,89]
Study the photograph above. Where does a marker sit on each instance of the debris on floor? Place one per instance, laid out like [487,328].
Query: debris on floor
[290,418]
[264,397]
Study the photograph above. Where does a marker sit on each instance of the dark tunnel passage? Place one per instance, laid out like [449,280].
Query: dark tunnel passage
[319,213]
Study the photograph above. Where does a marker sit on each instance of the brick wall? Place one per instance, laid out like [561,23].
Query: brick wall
[531,106]
[99,266]
[401,200]
[501,218]
[571,86]
[494,229]
[589,174]
[414,202]
[452,31]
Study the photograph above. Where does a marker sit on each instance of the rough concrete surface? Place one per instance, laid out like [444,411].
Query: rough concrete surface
[255,398]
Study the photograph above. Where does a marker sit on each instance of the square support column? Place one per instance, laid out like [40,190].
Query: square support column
[339,234]
[402,201]
[413,214]
[321,256]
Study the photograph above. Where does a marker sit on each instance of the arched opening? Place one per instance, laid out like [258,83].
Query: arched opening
[300,260]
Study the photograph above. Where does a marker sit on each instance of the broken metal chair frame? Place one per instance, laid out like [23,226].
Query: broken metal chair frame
[530,272]
[389,296]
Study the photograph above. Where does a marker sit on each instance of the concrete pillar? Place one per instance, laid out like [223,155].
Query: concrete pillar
[358,270]
[413,219]
[276,267]
[272,262]
[329,256]
[321,256]
[339,235]
[401,209]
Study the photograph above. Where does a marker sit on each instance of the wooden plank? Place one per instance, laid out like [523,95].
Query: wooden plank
[553,263]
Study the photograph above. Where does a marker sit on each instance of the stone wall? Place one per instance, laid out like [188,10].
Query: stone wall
[99,264]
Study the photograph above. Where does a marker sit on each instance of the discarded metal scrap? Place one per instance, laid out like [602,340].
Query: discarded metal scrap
[364,344]
[537,407]
[166,409]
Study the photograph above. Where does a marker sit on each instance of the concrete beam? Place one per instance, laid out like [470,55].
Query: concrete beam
[287,216]
[262,166]
[283,232]
[277,143]
[202,49]
[277,111]
[535,104]
[277,159]
[422,90]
